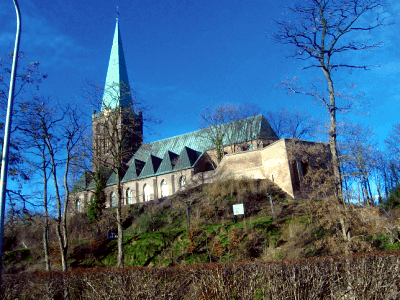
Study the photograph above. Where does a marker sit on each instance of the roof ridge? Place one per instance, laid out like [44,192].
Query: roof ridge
[202,129]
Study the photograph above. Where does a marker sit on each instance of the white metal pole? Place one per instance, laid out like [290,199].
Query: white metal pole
[4,160]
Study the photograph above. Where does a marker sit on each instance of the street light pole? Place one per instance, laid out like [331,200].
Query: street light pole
[4,161]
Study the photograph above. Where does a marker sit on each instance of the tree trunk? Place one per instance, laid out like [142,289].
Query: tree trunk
[46,220]
[46,244]
[58,197]
[333,138]
[61,245]
[64,231]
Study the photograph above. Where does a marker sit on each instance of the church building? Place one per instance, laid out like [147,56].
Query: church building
[248,148]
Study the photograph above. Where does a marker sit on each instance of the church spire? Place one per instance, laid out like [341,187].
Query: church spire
[117,89]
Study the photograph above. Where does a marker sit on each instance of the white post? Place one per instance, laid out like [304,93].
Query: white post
[4,161]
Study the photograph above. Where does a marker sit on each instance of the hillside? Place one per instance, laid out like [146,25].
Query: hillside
[156,232]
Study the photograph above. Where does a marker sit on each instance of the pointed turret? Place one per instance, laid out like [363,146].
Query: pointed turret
[117,89]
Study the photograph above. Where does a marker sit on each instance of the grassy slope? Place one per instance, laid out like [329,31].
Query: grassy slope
[156,232]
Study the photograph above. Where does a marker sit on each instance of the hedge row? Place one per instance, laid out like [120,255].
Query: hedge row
[359,276]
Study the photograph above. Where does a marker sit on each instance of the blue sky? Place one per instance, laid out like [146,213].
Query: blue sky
[183,55]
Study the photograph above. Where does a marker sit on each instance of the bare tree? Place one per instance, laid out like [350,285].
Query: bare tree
[224,123]
[297,124]
[321,32]
[53,134]
[29,76]
[393,142]
[65,136]
[34,152]
[358,160]
[118,133]
[391,170]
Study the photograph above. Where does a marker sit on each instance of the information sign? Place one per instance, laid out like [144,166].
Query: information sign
[238,209]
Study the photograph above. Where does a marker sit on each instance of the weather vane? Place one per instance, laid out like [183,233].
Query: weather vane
[117,13]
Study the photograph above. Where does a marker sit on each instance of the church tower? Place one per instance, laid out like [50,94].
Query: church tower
[117,128]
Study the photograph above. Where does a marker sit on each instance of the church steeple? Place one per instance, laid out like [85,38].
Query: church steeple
[117,89]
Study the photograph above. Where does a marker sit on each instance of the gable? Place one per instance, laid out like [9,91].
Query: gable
[187,158]
[151,166]
[168,162]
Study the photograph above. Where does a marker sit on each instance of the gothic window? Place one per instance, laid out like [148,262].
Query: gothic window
[182,181]
[164,189]
[113,198]
[146,193]
[129,196]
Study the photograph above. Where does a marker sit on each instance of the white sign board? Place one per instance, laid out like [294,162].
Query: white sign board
[238,209]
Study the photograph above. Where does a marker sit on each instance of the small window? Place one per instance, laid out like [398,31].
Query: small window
[164,189]
[113,200]
[182,181]
[146,193]
[129,196]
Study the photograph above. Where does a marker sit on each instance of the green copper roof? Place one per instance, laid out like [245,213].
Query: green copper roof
[117,89]
[197,142]
[112,179]
[83,182]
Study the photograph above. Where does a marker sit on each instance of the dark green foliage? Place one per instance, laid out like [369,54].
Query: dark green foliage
[15,261]
[150,221]
[393,201]
[98,201]
[382,242]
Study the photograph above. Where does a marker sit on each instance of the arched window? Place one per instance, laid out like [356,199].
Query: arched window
[113,200]
[79,205]
[146,193]
[129,196]
[182,181]
[164,189]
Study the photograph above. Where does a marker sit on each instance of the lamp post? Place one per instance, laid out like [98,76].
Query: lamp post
[4,161]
